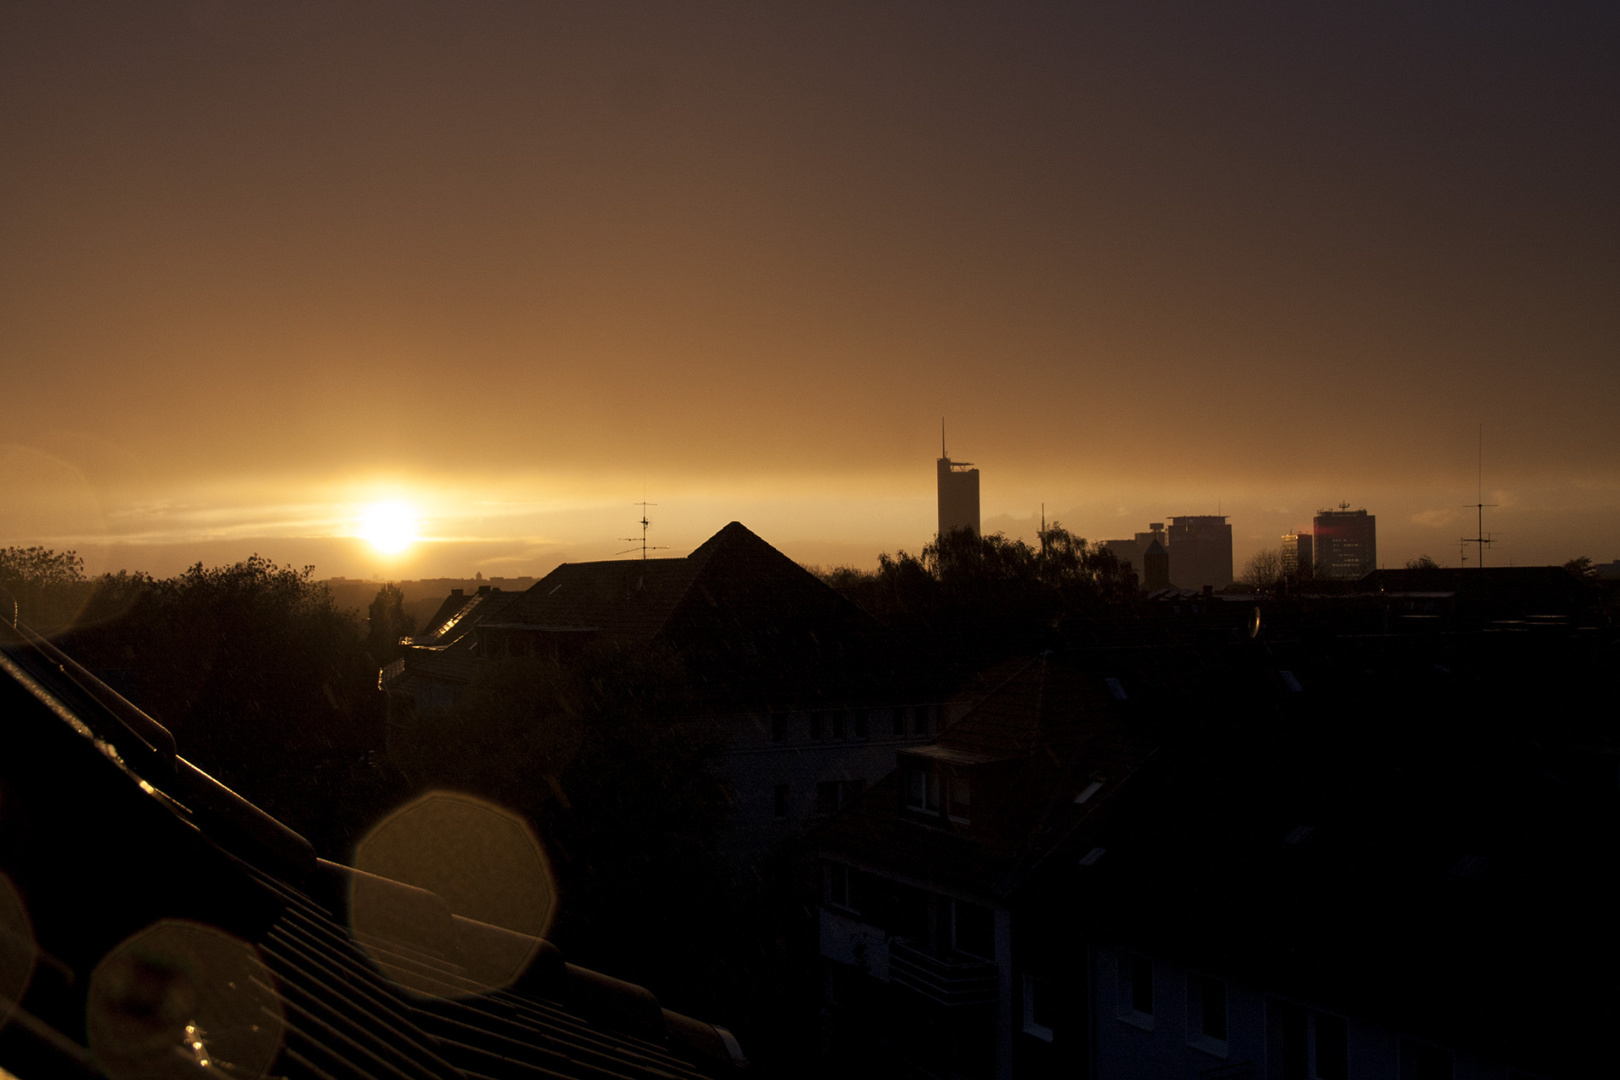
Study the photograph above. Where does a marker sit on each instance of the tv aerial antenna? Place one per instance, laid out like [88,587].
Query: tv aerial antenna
[1481,537]
[642,543]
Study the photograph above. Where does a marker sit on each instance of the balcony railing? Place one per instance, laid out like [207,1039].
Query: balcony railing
[957,980]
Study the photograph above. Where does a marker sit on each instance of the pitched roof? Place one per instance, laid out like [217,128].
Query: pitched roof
[744,617]
[149,915]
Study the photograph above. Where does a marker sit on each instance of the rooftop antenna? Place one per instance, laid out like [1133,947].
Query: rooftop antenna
[1480,537]
[645,547]
[942,452]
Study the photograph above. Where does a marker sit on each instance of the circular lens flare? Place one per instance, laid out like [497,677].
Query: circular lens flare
[389,527]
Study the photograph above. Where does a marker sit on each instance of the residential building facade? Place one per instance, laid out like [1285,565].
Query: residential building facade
[1257,858]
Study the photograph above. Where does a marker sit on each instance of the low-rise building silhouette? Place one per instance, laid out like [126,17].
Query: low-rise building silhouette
[1134,550]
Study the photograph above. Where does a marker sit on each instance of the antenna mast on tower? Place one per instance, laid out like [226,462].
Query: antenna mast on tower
[645,547]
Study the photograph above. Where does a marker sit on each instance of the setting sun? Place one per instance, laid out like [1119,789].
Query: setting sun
[390,527]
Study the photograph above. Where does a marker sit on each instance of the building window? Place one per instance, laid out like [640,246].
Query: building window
[827,797]
[832,794]
[973,929]
[779,727]
[862,724]
[916,783]
[1136,990]
[1037,1008]
[815,727]
[838,885]
[1330,1047]
[839,720]
[1206,1014]
[931,792]
[899,716]
[1309,1045]
[961,799]
[780,807]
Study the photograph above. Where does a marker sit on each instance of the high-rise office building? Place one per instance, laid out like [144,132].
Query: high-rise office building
[958,492]
[1297,558]
[1200,551]
[1346,543]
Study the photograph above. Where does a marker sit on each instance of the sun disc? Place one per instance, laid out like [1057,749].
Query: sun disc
[389,527]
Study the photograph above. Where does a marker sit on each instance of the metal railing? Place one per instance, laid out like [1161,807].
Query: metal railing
[954,980]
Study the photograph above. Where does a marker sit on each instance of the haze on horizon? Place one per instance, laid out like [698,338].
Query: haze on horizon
[522,266]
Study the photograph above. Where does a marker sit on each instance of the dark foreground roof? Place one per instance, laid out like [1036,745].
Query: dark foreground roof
[153,923]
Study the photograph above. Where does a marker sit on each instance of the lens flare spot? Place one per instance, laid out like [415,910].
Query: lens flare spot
[182,986]
[481,862]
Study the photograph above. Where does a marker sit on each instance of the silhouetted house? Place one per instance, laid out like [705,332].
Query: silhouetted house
[153,923]
[1346,543]
[809,693]
[923,876]
[1200,549]
[1269,858]
[958,495]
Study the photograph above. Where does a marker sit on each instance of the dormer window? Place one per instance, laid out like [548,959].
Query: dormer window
[935,795]
[922,791]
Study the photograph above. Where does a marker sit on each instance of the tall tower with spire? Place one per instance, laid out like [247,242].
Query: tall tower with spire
[958,492]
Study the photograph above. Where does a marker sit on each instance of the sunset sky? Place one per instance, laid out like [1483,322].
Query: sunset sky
[516,267]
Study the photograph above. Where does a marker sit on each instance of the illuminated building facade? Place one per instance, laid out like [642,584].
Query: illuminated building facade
[1297,557]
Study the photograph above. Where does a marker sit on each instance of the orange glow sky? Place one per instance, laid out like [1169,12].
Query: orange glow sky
[523,265]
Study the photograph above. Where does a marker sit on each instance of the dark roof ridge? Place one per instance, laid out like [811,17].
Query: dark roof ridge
[964,728]
[733,532]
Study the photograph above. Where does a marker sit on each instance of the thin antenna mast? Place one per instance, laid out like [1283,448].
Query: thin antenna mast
[1480,507]
[942,452]
[645,547]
